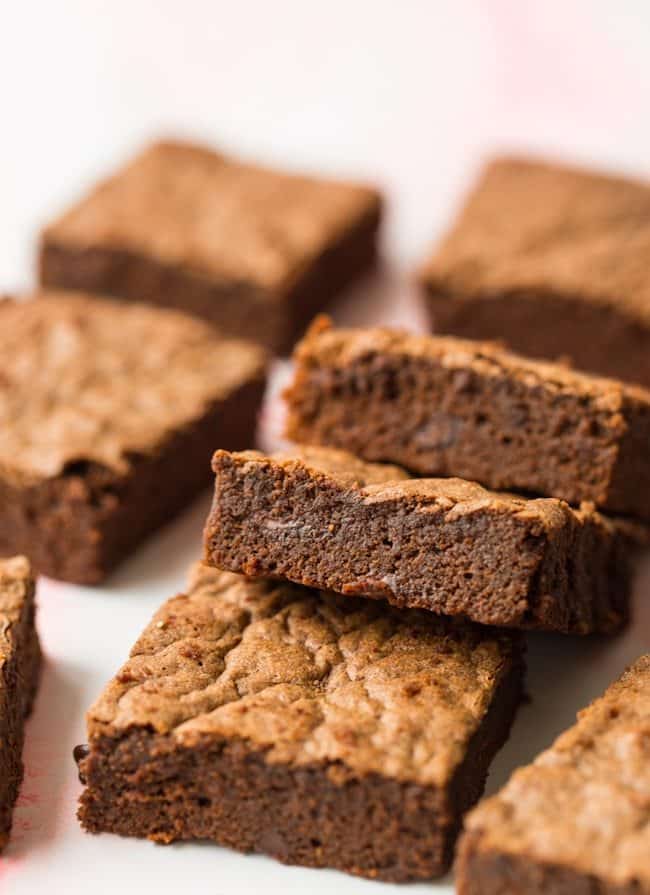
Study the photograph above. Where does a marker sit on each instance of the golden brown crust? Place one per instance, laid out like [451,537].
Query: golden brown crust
[84,379]
[215,216]
[310,677]
[584,804]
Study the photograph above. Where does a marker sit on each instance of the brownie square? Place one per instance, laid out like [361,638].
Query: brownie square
[320,730]
[20,659]
[577,820]
[109,414]
[253,250]
[552,259]
[446,406]
[323,518]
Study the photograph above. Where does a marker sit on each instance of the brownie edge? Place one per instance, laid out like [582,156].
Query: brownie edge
[20,661]
[321,731]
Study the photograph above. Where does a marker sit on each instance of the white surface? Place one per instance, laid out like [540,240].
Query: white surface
[410,94]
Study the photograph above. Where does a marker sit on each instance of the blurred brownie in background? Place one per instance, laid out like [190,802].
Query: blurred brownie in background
[109,413]
[254,250]
[554,261]
[20,661]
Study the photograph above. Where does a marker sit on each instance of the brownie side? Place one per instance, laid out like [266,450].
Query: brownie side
[445,545]
[238,309]
[598,338]
[320,730]
[19,670]
[577,818]
[77,526]
[451,407]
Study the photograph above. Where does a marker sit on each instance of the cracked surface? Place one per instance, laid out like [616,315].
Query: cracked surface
[584,804]
[322,518]
[83,379]
[310,677]
[531,225]
[447,406]
[215,216]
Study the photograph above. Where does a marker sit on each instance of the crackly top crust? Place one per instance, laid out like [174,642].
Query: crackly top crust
[340,347]
[186,205]
[530,225]
[94,380]
[379,481]
[311,676]
[585,802]
[16,586]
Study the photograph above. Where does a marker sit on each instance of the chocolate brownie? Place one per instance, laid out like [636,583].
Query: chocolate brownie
[20,658]
[553,260]
[255,251]
[577,820]
[322,518]
[109,414]
[443,406]
[320,730]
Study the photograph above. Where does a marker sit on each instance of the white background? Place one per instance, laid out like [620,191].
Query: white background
[411,95]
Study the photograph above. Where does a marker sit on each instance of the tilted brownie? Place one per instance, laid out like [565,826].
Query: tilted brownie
[20,659]
[322,518]
[577,820]
[109,414]
[320,730]
[253,250]
[552,259]
[443,406]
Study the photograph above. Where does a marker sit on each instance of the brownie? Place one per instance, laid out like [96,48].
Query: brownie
[443,406]
[553,260]
[317,729]
[577,820]
[254,250]
[109,414]
[322,518]
[20,658]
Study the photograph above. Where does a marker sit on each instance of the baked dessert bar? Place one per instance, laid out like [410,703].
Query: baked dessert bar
[320,730]
[109,414]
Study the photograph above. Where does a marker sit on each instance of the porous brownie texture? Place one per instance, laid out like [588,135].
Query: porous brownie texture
[320,730]
[109,414]
[253,250]
[446,406]
[20,658]
[323,518]
[552,259]
[577,820]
